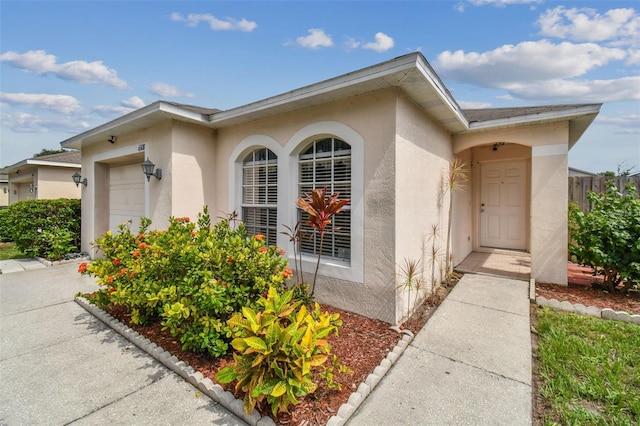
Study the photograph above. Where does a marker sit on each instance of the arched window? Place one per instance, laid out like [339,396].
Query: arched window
[326,163]
[260,193]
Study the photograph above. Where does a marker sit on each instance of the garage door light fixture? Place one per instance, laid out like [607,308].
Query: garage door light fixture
[77,179]
[147,169]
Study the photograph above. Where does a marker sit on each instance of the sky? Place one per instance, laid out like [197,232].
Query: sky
[69,66]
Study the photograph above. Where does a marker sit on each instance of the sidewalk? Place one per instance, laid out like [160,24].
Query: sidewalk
[60,365]
[470,365]
[20,265]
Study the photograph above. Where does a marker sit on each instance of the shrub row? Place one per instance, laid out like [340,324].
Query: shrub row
[49,228]
[192,276]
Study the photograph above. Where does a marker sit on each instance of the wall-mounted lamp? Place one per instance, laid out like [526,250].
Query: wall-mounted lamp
[5,190]
[18,171]
[77,179]
[32,188]
[497,145]
[112,139]
[147,169]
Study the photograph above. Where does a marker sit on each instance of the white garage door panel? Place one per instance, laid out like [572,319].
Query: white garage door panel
[126,196]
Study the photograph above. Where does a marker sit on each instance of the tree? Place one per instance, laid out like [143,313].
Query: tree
[46,151]
[608,237]
[622,170]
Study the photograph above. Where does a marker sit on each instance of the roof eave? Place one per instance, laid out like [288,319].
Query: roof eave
[392,73]
[550,116]
[114,127]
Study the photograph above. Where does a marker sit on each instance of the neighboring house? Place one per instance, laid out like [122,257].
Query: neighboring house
[4,190]
[383,137]
[573,172]
[44,177]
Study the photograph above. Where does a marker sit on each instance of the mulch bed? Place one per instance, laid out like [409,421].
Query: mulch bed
[583,288]
[361,345]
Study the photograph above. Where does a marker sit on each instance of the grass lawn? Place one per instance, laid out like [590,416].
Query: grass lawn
[9,251]
[590,369]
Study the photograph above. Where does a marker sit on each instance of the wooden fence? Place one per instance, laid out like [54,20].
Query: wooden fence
[579,186]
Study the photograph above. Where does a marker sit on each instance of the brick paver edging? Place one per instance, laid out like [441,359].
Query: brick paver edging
[226,398]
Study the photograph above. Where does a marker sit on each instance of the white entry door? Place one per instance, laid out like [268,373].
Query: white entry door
[503,205]
[126,196]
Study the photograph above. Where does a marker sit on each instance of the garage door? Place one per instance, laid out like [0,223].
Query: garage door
[126,196]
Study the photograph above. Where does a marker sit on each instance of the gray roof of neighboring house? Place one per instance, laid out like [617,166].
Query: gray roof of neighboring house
[62,157]
[68,159]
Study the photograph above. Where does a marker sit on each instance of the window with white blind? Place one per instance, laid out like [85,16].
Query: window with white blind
[326,163]
[260,194]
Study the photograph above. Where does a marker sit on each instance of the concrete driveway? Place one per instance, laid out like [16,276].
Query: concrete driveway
[60,365]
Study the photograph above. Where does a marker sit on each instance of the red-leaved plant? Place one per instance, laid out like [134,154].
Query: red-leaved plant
[320,210]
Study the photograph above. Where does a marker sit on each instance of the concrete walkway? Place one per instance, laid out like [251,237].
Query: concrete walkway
[60,365]
[470,365]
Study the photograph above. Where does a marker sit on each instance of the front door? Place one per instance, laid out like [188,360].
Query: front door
[503,205]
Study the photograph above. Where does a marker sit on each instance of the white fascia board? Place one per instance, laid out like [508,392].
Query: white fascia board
[433,79]
[356,77]
[35,162]
[533,118]
[145,111]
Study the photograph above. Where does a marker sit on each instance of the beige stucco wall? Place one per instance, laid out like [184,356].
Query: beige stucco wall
[372,117]
[545,148]
[423,153]
[153,142]
[4,194]
[56,182]
[549,231]
[192,170]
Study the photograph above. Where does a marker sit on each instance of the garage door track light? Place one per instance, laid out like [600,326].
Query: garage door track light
[147,168]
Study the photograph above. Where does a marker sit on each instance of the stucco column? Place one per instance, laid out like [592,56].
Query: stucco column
[549,209]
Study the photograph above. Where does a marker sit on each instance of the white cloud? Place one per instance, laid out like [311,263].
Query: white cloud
[501,3]
[40,62]
[620,89]
[133,102]
[617,26]
[525,62]
[382,44]
[126,106]
[634,57]
[474,104]
[542,71]
[62,104]
[351,43]
[316,38]
[228,24]
[166,90]
[28,123]
[631,121]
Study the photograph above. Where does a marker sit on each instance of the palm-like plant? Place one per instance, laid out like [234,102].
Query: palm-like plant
[455,179]
[320,210]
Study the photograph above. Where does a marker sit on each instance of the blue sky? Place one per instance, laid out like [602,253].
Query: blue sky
[66,67]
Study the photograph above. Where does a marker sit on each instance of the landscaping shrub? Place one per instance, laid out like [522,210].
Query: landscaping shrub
[278,346]
[6,233]
[43,227]
[608,237]
[192,277]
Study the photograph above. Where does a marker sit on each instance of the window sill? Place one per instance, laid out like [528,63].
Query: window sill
[331,268]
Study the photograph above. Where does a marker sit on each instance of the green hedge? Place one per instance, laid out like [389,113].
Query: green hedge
[49,228]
